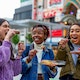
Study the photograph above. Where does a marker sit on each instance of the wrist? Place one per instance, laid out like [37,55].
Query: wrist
[53,69]
[7,38]
[28,60]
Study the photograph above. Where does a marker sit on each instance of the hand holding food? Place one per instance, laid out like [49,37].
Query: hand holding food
[48,63]
[62,43]
[11,33]
[21,48]
[75,52]
[32,53]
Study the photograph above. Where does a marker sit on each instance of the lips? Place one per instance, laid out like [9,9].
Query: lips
[74,38]
[36,38]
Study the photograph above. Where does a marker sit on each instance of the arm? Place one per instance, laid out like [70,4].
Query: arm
[17,66]
[52,71]
[25,65]
[5,53]
[61,54]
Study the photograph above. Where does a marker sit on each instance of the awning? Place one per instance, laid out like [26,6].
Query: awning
[29,23]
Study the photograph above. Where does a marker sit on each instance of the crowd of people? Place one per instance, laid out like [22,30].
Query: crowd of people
[34,61]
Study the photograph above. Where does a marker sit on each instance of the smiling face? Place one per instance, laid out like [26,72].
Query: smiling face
[4,27]
[38,35]
[75,34]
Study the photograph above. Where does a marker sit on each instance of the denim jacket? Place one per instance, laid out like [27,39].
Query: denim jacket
[29,71]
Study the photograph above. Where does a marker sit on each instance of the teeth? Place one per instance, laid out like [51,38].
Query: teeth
[74,37]
[36,39]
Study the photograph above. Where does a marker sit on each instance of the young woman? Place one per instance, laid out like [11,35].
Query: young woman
[9,66]
[69,51]
[32,69]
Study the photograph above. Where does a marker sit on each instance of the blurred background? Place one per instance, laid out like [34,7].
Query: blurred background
[58,15]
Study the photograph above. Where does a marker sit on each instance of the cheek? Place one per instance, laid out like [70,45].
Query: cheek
[70,34]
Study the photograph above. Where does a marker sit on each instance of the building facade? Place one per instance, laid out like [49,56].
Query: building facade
[25,10]
[56,10]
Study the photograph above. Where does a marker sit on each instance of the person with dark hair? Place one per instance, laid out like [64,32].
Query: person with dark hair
[37,52]
[69,51]
[9,66]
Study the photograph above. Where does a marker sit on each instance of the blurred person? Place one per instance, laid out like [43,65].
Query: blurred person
[69,51]
[9,66]
[37,52]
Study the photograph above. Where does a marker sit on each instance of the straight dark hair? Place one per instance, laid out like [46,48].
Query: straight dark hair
[12,55]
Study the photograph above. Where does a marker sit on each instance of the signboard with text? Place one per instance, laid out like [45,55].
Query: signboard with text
[51,13]
[56,33]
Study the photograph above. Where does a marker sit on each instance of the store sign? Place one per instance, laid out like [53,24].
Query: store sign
[52,2]
[56,33]
[55,3]
[34,10]
[51,13]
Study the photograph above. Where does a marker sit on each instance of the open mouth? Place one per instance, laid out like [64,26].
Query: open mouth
[74,38]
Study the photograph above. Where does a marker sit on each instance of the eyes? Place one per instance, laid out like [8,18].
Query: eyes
[6,26]
[40,33]
[77,30]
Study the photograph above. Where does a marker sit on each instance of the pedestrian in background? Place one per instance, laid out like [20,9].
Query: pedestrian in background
[69,51]
[9,66]
[32,69]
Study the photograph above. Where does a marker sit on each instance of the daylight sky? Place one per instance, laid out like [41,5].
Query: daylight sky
[7,8]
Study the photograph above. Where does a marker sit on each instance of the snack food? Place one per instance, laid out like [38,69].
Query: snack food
[46,62]
[58,63]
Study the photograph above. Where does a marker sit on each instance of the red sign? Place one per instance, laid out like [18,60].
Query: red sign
[51,13]
[34,10]
[56,33]
[51,2]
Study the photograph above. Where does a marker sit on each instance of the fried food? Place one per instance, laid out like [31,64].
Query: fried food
[46,62]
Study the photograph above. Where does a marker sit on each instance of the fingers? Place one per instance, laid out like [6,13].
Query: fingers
[63,43]
[32,53]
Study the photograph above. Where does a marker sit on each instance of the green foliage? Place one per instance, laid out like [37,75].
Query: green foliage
[29,37]
[15,39]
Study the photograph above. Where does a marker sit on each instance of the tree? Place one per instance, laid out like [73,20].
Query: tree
[29,37]
[15,39]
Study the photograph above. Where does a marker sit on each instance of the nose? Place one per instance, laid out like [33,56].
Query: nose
[36,34]
[74,32]
[7,28]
